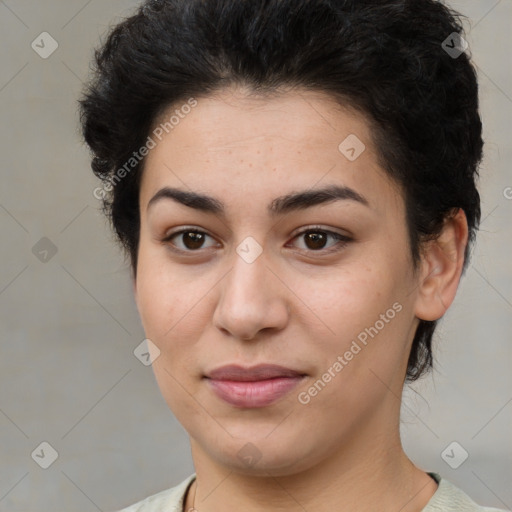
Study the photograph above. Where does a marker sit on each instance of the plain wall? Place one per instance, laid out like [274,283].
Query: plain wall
[69,325]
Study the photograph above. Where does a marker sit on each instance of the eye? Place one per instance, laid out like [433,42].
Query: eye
[315,239]
[192,239]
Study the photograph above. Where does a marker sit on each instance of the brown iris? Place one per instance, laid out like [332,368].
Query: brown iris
[317,239]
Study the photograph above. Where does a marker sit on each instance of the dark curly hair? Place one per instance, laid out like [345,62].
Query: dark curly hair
[399,62]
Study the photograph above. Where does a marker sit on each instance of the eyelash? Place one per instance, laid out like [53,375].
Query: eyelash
[343,240]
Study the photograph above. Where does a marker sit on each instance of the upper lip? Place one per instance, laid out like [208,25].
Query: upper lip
[253,373]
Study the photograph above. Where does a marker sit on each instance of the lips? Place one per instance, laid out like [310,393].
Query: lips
[257,386]
[255,373]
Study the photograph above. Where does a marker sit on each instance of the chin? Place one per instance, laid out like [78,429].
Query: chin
[277,454]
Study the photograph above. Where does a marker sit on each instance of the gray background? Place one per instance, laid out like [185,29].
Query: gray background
[69,325]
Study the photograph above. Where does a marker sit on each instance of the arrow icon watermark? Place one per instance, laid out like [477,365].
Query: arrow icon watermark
[147,352]
[352,147]
[45,455]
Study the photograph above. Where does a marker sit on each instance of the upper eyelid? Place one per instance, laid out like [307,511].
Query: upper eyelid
[300,230]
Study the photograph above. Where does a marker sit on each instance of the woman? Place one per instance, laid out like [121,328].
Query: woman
[294,182]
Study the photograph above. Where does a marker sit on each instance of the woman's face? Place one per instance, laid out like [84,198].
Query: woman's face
[266,281]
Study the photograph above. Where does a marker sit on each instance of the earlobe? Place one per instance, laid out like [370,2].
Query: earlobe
[441,268]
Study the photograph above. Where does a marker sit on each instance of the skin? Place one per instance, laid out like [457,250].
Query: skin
[295,305]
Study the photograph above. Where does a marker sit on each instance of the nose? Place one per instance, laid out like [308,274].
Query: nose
[252,298]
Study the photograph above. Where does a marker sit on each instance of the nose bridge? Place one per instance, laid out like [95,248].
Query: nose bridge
[248,280]
[251,297]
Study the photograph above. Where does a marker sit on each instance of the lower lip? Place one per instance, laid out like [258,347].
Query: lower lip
[253,394]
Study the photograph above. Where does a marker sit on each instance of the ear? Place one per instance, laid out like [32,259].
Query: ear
[441,268]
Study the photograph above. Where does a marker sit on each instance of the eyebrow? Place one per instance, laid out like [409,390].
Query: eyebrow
[281,205]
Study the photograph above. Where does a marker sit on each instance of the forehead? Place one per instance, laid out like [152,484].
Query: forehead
[264,146]
[234,118]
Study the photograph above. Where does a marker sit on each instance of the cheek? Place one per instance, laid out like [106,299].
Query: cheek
[157,294]
[363,353]
[361,314]
[346,300]
[173,302]
[169,304]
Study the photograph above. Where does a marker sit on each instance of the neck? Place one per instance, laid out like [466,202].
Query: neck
[368,472]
